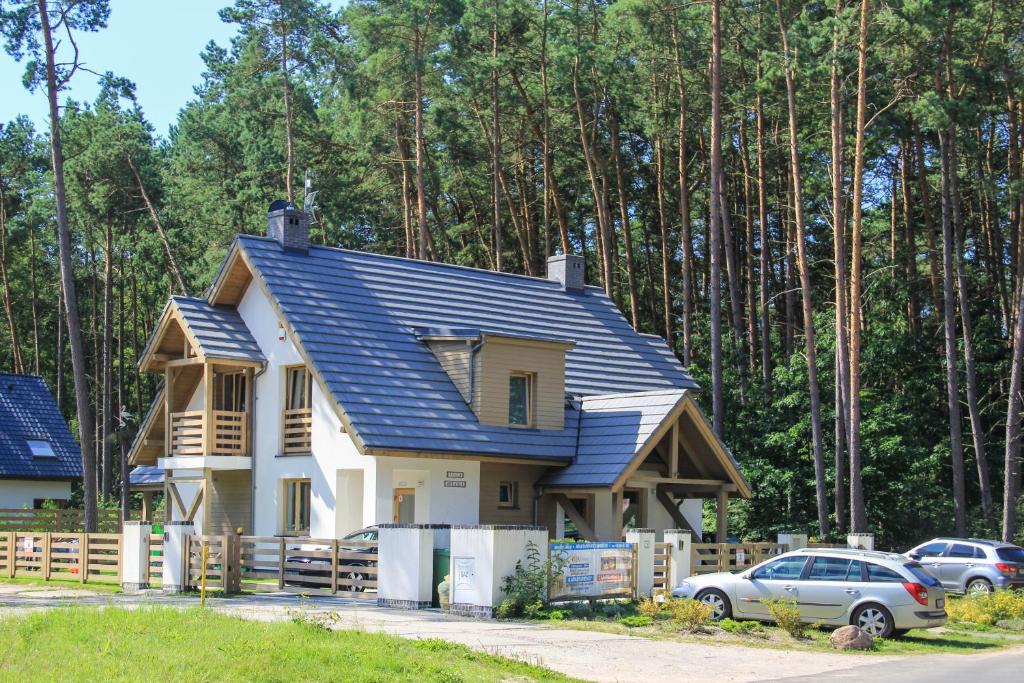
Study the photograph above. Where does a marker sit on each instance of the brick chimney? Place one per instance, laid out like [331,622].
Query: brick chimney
[289,226]
[567,269]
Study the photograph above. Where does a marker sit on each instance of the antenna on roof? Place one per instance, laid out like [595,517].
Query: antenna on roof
[309,194]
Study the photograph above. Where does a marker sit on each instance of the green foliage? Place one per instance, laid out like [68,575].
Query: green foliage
[526,587]
[649,608]
[740,627]
[786,615]
[688,615]
[636,621]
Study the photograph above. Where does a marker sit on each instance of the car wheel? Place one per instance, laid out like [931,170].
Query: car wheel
[353,577]
[719,603]
[874,619]
[978,587]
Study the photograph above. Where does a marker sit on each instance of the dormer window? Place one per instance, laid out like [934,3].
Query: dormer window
[40,448]
[520,399]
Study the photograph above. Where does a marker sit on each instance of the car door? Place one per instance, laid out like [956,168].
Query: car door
[777,579]
[930,557]
[959,558]
[827,592]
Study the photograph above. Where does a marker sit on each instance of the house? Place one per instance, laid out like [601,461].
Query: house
[39,457]
[317,390]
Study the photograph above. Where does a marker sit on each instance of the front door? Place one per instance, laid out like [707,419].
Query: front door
[405,506]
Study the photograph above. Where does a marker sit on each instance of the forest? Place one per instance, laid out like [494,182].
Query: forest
[818,205]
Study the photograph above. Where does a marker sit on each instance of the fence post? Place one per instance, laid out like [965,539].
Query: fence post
[176,565]
[135,556]
[334,566]
[793,541]
[680,546]
[46,556]
[861,541]
[83,559]
[280,566]
[643,546]
[12,547]
[723,557]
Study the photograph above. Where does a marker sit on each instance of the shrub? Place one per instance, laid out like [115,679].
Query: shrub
[526,586]
[687,614]
[986,610]
[649,608]
[739,627]
[636,621]
[787,616]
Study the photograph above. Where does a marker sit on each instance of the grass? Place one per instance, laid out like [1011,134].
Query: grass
[54,584]
[917,641]
[89,644]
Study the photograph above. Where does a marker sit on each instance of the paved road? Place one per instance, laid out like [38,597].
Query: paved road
[583,654]
[1006,665]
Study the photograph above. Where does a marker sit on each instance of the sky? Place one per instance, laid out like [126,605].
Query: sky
[154,43]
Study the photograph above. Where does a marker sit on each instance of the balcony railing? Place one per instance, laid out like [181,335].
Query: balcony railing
[298,430]
[229,437]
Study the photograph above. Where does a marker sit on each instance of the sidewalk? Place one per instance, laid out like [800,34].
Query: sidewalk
[583,654]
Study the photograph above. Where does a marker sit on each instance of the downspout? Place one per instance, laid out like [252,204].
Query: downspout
[472,375]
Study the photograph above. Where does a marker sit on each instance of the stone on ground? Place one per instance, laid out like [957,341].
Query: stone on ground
[851,638]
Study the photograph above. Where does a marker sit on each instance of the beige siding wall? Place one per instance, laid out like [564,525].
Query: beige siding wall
[454,358]
[229,496]
[498,359]
[491,475]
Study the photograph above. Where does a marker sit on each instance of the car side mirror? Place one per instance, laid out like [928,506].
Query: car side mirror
[915,556]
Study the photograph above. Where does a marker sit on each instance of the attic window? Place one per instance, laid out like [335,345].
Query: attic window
[520,399]
[40,448]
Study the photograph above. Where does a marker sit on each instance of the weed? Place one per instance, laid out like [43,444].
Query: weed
[688,615]
[636,621]
[787,616]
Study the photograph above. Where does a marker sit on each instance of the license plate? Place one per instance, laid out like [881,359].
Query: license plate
[941,602]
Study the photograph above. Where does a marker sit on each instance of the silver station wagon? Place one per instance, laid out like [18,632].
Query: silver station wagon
[884,593]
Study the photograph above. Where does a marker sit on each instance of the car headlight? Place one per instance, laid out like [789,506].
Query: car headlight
[684,589]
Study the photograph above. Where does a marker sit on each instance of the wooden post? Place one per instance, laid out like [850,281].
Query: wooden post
[636,575]
[147,506]
[12,548]
[723,557]
[334,567]
[280,567]
[673,467]
[225,560]
[168,406]
[46,556]
[207,408]
[120,557]
[722,514]
[83,558]
[186,558]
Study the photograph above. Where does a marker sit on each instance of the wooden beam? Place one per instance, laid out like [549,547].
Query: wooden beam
[673,462]
[636,480]
[175,498]
[207,408]
[722,514]
[168,407]
[191,514]
[179,362]
[574,514]
[617,520]
[673,510]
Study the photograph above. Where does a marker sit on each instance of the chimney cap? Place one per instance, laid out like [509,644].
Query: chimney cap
[280,205]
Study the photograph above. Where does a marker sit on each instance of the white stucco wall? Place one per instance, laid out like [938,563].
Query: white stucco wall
[436,502]
[16,494]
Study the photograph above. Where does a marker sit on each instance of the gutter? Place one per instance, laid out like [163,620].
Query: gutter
[473,350]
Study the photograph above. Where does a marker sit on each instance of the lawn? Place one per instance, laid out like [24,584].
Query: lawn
[89,644]
[54,584]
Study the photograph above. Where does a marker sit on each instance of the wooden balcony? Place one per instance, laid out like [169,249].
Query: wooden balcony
[297,431]
[227,433]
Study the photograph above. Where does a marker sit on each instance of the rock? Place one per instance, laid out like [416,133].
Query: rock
[851,638]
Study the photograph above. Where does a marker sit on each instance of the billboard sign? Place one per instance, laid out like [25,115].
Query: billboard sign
[592,570]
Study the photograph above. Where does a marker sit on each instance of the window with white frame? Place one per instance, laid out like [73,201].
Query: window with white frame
[40,448]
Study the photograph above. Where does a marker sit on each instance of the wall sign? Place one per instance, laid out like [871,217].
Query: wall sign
[455,475]
[465,572]
[455,480]
[591,570]
[449,484]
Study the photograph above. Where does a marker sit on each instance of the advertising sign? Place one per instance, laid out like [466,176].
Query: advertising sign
[592,570]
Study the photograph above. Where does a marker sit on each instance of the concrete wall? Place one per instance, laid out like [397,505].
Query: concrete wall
[440,499]
[17,494]
[481,558]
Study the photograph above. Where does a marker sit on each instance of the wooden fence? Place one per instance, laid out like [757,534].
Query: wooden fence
[662,568]
[47,555]
[57,521]
[706,558]
[308,565]
[155,568]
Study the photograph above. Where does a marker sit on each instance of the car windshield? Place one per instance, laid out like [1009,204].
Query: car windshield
[1011,554]
[920,574]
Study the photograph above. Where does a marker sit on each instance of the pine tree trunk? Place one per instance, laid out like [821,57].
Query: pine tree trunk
[685,240]
[19,366]
[78,360]
[627,236]
[496,234]
[421,152]
[715,230]
[858,516]
[289,117]
[172,262]
[929,223]
[765,246]
[1014,406]
[107,480]
[748,247]
[805,285]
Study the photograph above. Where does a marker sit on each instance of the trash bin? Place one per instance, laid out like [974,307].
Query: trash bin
[442,565]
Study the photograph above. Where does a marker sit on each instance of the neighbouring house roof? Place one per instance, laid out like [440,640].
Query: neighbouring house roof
[28,413]
[215,332]
[357,316]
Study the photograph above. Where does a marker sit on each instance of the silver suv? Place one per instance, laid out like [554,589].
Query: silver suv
[884,593]
[971,565]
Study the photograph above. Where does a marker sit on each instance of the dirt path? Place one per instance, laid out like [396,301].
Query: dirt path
[583,654]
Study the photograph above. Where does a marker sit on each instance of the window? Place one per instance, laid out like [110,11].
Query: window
[520,410]
[829,569]
[40,448]
[856,572]
[1010,554]
[882,574]
[229,392]
[931,550]
[508,494]
[959,550]
[921,575]
[784,568]
[296,506]
[298,389]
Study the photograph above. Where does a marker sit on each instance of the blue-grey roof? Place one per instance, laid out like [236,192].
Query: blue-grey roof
[357,316]
[219,330]
[613,430]
[146,475]
[29,412]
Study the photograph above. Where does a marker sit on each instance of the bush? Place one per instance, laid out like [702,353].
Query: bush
[986,610]
[787,616]
[649,608]
[526,587]
[740,627]
[636,621]
[687,614]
